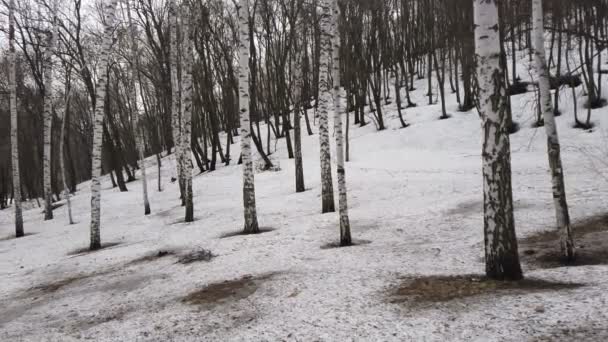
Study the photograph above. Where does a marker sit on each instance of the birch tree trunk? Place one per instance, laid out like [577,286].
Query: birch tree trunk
[297,131]
[251,220]
[502,259]
[64,124]
[110,14]
[553,147]
[186,93]
[12,81]
[48,118]
[345,238]
[327,189]
[175,95]
[139,127]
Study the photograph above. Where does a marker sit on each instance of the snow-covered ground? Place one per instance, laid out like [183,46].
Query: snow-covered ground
[414,195]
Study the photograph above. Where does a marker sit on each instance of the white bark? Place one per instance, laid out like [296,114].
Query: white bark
[48,117]
[345,237]
[175,96]
[297,131]
[66,190]
[502,260]
[136,114]
[553,147]
[327,190]
[12,84]
[186,93]
[100,94]
[251,220]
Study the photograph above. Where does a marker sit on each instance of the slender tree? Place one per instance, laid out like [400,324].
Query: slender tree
[555,161]
[48,115]
[12,85]
[297,131]
[345,238]
[136,114]
[251,219]
[110,18]
[186,93]
[327,189]
[502,259]
[62,143]
[176,123]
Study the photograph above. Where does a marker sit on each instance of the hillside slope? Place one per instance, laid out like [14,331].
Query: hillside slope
[415,206]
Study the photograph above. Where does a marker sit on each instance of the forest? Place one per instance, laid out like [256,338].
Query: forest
[317,170]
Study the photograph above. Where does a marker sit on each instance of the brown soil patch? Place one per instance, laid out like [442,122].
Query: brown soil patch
[433,289]
[542,250]
[227,291]
[355,243]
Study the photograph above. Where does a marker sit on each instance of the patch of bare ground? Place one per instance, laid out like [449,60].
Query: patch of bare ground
[355,243]
[542,250]
[437,289]
[86,250]
[242,233]
[227,291]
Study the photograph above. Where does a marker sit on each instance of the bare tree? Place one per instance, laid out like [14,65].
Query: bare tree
[186,93]
[251,219]
[110,17]
[327,189]
[502,259]
[12,77]
[345,238]
[555,160]
[48,114]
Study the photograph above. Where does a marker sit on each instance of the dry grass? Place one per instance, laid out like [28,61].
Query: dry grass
[433,289]
[542,250]
[196,256]
[227,291]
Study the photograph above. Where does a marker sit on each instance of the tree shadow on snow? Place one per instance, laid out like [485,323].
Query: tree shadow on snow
[13,237]
[336,244]
[242,233]
[87,250]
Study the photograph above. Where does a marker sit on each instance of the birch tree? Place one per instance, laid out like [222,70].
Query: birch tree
[327,189]
[139,127]
[251,220]
[345,238]
[48,115]
[553,146]
[297,131]
[109,13]
[186,93]
[501,255]
[12,84]
[175,94]
[62,142]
